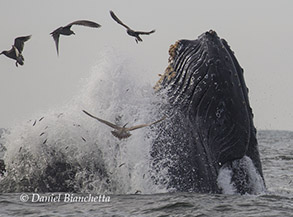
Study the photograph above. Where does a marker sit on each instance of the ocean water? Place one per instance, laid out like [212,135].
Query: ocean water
[112,177]
[276,153]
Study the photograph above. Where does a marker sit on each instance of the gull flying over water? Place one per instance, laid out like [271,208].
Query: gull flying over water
[129,30]
[16,51]
[65,30]
[122,132]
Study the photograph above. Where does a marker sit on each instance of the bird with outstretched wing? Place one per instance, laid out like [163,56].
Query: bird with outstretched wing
[16,51]
[130,31]
[122,132]
[65,30]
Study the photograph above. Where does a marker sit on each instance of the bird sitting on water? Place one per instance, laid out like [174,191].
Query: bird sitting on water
[16,51]
[65,30]
[130,31]
[122,132]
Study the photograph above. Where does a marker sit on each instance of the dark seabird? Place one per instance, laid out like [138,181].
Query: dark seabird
[122,132]
[16,51]
[65,30]
[130,31]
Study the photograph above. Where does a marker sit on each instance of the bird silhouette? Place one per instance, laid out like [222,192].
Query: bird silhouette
[129,30]
[65,30]
[122,132]
[16,51]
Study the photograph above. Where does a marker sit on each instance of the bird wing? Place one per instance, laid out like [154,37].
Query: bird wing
[84,23]
[118,20]
[144,125]
[56,36]
[137,127]
[16,51]
[103,121]
[145,33]
[19,42]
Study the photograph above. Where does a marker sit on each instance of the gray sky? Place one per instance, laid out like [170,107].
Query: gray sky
[259,32]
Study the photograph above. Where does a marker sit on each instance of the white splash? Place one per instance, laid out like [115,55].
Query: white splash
[255,181]
[115,91]
[224,181]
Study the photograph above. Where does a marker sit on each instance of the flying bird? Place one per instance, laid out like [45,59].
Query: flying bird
[65,30]
[122,132]
[129,30]
[16,51]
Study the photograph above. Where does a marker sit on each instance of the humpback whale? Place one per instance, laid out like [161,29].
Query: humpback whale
[212,121]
